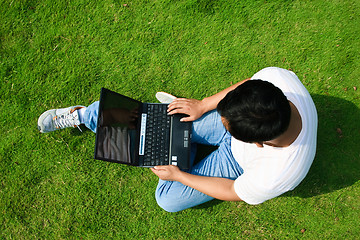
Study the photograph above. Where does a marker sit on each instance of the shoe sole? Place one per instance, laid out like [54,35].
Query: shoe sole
[164,97]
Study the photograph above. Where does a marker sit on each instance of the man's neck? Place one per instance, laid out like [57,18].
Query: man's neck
[293,131]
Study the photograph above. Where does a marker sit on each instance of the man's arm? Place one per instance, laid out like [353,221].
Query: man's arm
[219,188]
[196,108]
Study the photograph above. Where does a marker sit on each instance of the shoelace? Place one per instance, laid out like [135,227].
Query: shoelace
[66,120]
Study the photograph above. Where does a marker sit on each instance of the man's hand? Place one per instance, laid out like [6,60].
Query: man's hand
[167,173]
[196,108]
[192,107]
[220,188]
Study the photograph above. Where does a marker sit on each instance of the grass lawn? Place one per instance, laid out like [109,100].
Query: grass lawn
[60,53]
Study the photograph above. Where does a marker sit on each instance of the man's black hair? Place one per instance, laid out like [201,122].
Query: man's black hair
[255,111]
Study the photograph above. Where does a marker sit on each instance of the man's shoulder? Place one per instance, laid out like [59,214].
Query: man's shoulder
[269,72]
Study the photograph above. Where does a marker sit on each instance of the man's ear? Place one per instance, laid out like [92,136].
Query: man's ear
[225,122]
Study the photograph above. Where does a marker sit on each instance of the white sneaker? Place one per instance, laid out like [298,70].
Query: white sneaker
[56,119]
[164,97]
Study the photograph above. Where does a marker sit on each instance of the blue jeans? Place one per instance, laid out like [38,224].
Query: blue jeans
[174,196]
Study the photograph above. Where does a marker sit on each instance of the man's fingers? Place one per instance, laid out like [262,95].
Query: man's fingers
[187,119]
[178,102]
[161,167]
[177,110]
[180,110]
[190,107]
[156,171]
[175,106]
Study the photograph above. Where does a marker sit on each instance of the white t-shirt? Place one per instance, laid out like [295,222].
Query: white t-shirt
[272,171]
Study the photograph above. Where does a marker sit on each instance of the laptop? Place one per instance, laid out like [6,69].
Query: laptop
[140,134]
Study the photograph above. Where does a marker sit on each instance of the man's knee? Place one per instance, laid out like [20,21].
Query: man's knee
[167,204]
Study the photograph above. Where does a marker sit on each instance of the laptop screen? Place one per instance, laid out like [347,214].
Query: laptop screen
[116,131]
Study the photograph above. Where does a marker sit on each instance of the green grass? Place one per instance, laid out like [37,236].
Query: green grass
[60,53]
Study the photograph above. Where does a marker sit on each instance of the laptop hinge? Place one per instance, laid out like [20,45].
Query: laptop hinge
[170,137]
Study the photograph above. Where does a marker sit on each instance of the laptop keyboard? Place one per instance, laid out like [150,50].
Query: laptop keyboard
[157,136]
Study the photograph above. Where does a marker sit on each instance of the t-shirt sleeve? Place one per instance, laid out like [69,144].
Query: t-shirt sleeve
[260,182]
[250,192]
[245,192]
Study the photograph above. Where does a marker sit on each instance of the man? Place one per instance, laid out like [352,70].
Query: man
[265,129]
